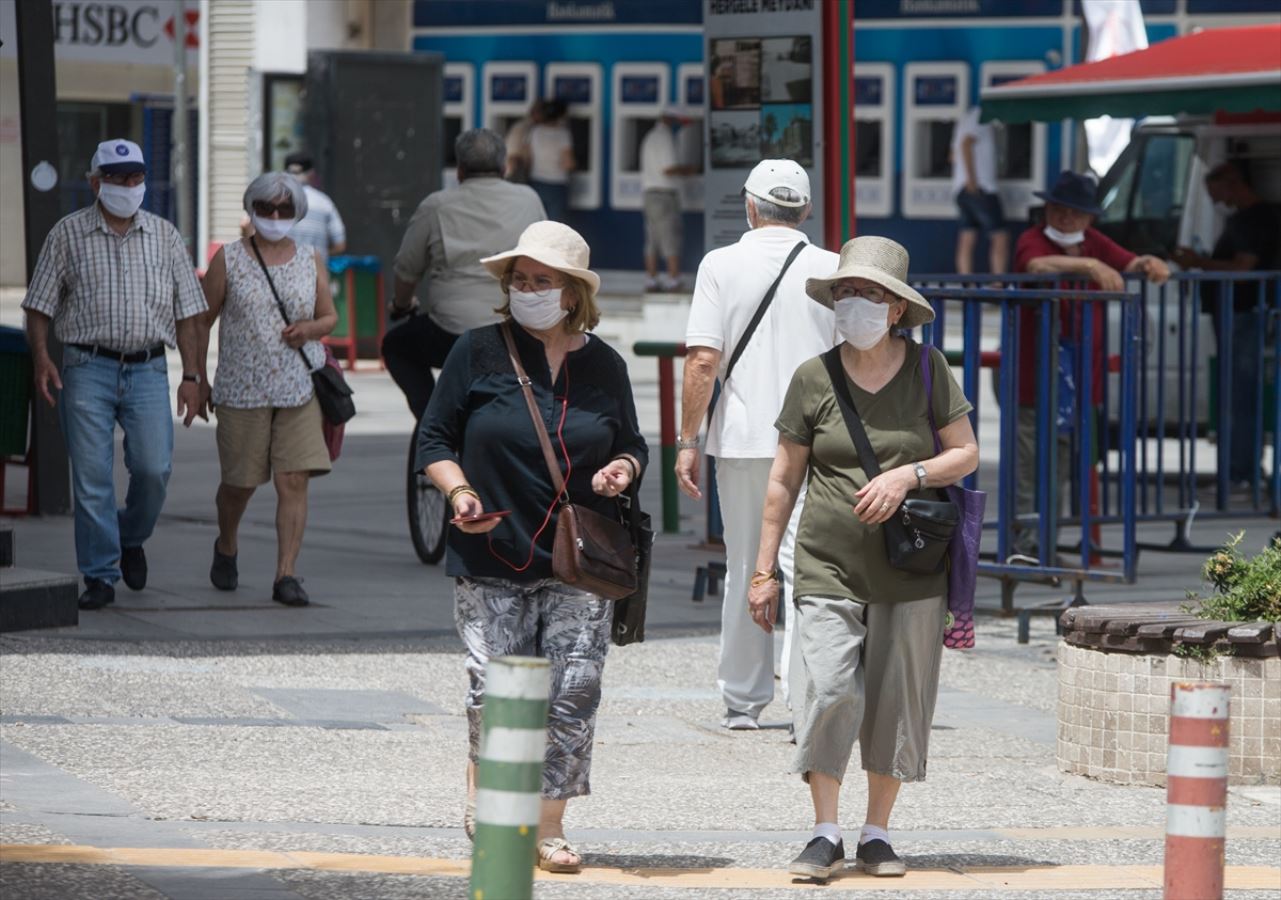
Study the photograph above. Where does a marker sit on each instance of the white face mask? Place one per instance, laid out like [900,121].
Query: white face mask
[120,200]
[536,312]
[1064,238]
[862,322]
[272,229]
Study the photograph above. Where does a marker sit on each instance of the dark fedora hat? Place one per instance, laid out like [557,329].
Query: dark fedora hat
[1074,190]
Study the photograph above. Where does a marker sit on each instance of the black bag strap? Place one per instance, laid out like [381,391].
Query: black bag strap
[756,320]
[279,303]
[836,371]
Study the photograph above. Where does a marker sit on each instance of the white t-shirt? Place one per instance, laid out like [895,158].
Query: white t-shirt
[984,153]
[546,145]
[657,155]
[731,283]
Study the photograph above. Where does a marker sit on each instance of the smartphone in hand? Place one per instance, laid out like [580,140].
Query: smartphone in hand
[481,517]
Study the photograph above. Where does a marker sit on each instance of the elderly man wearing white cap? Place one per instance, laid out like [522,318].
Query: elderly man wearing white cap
[661,170]
[751,324]
[118,284]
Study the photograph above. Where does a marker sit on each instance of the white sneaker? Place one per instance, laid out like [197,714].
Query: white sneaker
[739,721]
[653,285]
[669,284]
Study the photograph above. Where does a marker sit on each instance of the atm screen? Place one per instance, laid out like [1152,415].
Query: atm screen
[453,89]
[936,90]
[1014,151]
[639,89]
[634,132]
[573,89]
[867,148]
[934,158]
[581,130]
[453,126]
[509,89]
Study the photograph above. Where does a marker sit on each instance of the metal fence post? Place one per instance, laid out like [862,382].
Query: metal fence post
[509,778]
[1196,791]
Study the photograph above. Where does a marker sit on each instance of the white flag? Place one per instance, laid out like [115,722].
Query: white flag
[1116,27]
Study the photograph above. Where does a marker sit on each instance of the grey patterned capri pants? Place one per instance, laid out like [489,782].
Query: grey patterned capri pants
[865,671]
[568,627]
[662,213]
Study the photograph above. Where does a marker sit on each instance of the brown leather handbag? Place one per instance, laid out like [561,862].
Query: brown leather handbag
[591,551]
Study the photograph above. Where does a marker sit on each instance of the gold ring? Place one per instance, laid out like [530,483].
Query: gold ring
[885,505]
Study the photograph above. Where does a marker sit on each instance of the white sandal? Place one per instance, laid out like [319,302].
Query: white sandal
[549,847]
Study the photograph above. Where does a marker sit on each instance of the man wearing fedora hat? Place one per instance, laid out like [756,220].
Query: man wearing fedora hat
[118,285]
[1065,245]
[730,289]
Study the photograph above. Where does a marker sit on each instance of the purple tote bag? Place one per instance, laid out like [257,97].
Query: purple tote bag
[963,551]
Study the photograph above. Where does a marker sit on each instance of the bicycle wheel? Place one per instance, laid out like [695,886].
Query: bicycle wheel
[428,512]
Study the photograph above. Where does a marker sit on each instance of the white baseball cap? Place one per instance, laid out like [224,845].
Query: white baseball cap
[778,173]
[118,157]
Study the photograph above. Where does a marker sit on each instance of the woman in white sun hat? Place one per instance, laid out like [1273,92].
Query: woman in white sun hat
[869,636]
[478,444]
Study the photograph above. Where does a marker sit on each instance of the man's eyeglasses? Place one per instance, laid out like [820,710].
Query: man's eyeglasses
[871,292]
[265,209]
[540,286]
[132,179]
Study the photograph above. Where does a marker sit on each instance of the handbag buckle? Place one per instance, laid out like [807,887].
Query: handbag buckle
[524,380]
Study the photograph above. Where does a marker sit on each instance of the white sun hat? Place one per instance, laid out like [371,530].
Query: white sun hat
[778,173]
[880,261]
[553,244]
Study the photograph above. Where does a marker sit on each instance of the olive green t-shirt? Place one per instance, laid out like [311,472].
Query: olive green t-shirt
[836,554]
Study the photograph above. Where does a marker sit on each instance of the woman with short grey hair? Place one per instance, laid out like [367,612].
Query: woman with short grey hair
[275,302]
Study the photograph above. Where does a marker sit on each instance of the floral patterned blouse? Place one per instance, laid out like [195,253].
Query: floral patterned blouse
[256,367]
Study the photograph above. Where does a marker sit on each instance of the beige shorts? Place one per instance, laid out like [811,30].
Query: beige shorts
[253,443]
[867,672]
[662,214]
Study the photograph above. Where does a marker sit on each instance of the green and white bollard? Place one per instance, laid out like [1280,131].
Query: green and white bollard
[509,778]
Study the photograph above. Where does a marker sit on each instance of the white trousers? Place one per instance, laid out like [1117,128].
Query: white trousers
[745,675]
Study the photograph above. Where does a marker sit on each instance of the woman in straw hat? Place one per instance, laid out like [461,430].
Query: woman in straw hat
[478,444]
[869,636]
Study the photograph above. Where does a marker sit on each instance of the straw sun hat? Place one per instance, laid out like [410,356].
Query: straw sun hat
[880,261]
[554,245]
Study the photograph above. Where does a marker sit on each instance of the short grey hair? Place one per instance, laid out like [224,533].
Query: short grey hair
[271,186]
[480,152]
[781,215]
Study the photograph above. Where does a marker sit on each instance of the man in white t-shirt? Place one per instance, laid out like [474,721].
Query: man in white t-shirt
[977,196]
[731,284]
[661,171]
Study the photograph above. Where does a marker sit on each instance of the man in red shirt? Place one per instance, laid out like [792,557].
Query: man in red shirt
[1065,245]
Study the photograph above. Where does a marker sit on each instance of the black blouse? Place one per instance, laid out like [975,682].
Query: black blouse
[479,419]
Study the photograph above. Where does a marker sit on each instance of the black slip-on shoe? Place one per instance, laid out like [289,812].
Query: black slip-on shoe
[819,859]
[133,567]
[97,594]
[223,573]
[878,858]
[288,590]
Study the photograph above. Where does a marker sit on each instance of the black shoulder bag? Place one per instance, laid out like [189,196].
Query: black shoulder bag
[332,391]
[751,326]
[917,537]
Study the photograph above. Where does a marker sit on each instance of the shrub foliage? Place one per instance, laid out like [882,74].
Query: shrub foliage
[1245,589]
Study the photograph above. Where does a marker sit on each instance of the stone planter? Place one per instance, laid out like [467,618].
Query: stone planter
[1116,665]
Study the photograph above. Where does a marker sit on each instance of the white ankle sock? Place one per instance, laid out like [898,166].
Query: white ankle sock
[873,833]
[829,830]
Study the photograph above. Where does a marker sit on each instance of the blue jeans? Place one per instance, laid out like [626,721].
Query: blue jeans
[555,198]
[1245,454]
[96,394]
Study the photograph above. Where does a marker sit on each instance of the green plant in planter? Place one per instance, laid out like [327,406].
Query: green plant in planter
[1245,590]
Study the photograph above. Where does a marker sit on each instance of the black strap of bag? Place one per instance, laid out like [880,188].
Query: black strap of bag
[849,412]
[756,320]
[279,303]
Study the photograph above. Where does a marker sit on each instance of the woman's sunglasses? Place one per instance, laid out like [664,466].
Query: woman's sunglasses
[265,209]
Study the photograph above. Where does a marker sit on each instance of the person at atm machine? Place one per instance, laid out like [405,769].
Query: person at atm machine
[975,189]
[1065,245]
[551,158]
[660,192]
[447,236]
[1250,242]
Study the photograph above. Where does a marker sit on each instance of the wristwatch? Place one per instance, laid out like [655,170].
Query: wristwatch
[919,471]
[193,377]
[687,443]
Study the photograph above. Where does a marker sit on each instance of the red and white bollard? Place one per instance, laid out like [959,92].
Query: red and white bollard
[1196,791]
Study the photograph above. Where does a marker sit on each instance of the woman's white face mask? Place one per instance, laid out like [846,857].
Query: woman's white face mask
[537,311]
[272,229]
[121,200]
[861,321]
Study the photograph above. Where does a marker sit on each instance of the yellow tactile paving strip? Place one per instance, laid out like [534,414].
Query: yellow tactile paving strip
[1042,878]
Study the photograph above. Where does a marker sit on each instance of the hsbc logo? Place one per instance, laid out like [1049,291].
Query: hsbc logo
[123,25]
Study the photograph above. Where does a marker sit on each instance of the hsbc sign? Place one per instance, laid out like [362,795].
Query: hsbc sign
[125,31]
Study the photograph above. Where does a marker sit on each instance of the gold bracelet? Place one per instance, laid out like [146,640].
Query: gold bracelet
[461,489]
[759,577]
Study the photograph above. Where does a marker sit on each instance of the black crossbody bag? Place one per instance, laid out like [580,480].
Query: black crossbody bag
[332,391]
[918,535]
